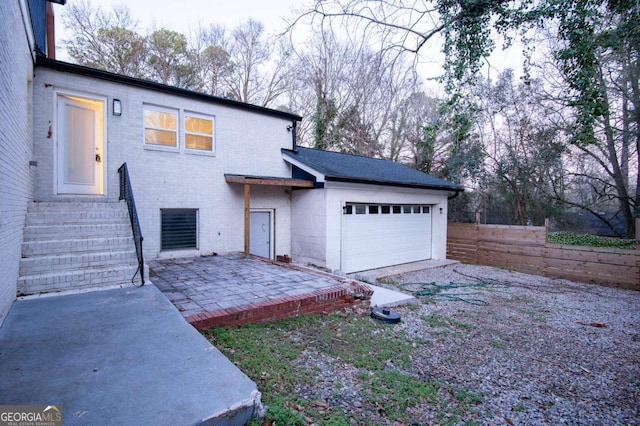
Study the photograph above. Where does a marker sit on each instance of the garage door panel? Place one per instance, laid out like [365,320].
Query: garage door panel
[372,241]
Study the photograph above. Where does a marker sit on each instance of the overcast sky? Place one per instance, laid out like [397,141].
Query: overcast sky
[183,15]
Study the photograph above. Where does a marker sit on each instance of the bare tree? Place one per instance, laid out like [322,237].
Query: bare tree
[407,142]
[352,96]
[524,150]
[105,40]
[593,84]
[462,30]
[211,60]
[258,66]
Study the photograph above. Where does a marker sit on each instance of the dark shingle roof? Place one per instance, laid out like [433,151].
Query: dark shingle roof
[337,166]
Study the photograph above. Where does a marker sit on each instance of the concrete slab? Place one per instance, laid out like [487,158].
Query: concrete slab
[385,298]
[373,275]
[123,356]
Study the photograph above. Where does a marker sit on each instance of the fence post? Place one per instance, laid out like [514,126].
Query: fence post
[547,225]
[545,253]
[638,230]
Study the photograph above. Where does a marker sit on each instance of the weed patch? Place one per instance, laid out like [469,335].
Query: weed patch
[379,354]
[440,321]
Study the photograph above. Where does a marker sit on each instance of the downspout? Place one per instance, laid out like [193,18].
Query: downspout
[293,135]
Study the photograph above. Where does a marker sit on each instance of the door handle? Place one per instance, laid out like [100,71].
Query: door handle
[98,158]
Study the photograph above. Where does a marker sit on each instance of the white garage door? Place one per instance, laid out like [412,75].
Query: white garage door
[374,236]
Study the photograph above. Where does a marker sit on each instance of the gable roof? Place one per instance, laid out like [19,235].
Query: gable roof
[158,87]
[336,166]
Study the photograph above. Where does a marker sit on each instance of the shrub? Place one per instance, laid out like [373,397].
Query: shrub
[569,238]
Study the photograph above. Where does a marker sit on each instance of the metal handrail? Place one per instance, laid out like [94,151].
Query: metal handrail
[126,193]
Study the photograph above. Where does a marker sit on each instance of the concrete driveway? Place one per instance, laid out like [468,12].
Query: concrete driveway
[122,356]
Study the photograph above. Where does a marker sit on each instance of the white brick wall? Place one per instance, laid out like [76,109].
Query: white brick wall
[16,69]
[309,226]
[245,142]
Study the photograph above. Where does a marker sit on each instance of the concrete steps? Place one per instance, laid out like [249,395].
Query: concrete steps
[44,247]
[85,260]
[79,230]
[74,245]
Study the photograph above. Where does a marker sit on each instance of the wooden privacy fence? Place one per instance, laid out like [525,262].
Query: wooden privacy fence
[525,249]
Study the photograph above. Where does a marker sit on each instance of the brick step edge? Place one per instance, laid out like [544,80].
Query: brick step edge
[320,301]
[82,260]
[39,232]
[75,204]
[75,245]
[80,279]
[84,218]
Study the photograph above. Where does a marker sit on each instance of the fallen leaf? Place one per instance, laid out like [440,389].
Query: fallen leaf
[509,421]
[320,404]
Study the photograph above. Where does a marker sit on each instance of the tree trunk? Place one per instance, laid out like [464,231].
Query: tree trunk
[616,169]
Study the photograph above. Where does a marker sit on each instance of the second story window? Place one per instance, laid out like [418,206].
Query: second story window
[160,127]
[198,132]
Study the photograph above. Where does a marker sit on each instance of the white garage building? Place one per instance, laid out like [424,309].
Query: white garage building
[365,213]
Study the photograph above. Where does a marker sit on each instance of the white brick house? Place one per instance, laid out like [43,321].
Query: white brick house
[209,175]
[242,140]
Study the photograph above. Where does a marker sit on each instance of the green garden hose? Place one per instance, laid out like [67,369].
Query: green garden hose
[437,292]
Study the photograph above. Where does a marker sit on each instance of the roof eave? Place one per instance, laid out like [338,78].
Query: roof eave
[152,85]
[291,158]
[401,184]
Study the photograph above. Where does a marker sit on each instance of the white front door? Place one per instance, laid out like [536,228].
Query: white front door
[80,142]
[260,234]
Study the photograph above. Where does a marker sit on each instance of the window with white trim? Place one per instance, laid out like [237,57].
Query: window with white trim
[160,127]
[198,132]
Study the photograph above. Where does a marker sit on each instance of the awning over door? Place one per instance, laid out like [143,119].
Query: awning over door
[247,181]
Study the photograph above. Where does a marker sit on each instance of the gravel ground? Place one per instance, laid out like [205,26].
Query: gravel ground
[536,351]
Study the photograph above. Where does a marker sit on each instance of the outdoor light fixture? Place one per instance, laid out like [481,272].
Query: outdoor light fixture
[117,107]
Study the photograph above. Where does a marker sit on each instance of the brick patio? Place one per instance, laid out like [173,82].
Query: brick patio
[232,289]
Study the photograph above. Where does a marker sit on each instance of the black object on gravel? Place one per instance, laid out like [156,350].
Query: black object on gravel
[386,315]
